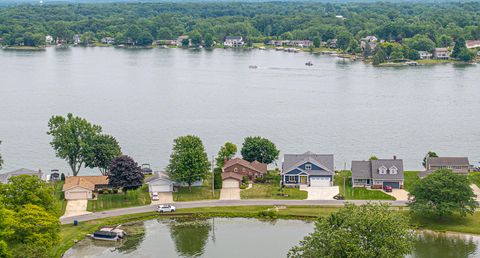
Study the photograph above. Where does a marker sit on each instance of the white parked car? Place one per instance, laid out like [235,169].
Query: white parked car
[155,196]
[166,208]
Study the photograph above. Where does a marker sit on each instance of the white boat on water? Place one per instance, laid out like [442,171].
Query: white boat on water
[309,63]
[109,234]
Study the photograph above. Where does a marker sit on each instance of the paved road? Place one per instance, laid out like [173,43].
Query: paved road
[217,203]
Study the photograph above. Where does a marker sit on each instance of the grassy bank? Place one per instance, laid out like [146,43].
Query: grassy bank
[344,182]
[474,178]
[410,178]
[197,193]
[24,48]
[110,201]
[71,234]
[270,191]
[59,199]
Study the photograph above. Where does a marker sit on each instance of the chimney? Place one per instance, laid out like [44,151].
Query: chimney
[394,157]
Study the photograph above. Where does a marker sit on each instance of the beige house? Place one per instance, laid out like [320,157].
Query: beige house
[82,187]
[459,165]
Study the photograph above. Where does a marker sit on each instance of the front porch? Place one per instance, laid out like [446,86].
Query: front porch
[295,179]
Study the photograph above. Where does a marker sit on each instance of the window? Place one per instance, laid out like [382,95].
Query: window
[382,170]
[308,166]
[291,178]
[235,170]
[393,170]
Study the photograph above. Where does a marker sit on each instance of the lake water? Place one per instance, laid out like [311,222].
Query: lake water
[222,237]
[146,98]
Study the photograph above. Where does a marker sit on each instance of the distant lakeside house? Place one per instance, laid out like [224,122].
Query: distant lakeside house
[291,43]
[459,165]
[233,41]
[378,173]
[235,169]
[441,53]
[308,169]
[425,55]
[22,171]
[160,182]
[472,44]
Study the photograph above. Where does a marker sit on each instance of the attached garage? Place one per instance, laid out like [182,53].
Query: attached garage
[230,183]
[78,193]
[320,181]
[159,183]
[395,185]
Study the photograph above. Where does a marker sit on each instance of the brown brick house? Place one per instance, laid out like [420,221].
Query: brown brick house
[245,168]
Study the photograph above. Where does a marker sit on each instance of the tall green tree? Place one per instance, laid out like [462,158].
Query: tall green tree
[125,173]
[370,230]
[226,152]
[196,38]
[343,40]
[72,137]
[379,56]
[460,45]
[26,189]
[101,151]
[259,149]
[430,154]
[441,194]
[316,42]
[208,40]
[188,161]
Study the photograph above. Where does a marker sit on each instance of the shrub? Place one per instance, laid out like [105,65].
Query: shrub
[243,186]
[62,177]
[259,180]
[267,214]
[217,180]
[245,180]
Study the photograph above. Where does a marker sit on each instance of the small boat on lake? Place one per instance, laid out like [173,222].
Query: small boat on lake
[109,234]
[252,66]
[309,63]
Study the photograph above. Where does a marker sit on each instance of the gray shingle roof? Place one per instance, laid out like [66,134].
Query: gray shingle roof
[158,175]
[325,161]
[22,171]
[369,169]
[448,161]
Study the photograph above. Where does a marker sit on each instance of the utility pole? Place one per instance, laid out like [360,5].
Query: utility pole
[213,176]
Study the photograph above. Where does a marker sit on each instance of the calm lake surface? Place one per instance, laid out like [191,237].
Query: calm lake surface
[146,98]
[222,237]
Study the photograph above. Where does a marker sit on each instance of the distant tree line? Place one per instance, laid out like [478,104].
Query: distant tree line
[421,26]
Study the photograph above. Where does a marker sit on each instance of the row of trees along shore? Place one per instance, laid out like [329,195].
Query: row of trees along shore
[406,27]
[29,225]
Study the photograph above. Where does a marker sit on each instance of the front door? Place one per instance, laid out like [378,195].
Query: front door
[303,180]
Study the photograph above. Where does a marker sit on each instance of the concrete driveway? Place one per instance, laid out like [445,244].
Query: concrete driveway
[476,191]
[321,193]
[163,198]
[399,194]
[76,208]
[230,194]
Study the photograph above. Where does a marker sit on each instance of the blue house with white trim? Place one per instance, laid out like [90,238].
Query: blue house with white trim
[309,169]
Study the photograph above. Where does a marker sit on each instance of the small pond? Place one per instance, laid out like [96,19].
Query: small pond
[239,237]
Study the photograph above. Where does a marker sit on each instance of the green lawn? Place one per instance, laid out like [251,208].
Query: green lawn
[132,198]
[270,191]
[410,178]
[60,201]
[474,178]
[196,194]
[357,193]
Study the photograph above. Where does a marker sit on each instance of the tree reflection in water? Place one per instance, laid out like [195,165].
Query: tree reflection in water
[190,236]
[441,245]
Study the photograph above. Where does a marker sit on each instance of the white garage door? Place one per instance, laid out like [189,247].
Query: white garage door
[160,188]
[319,181]
[77,196]
[230,183]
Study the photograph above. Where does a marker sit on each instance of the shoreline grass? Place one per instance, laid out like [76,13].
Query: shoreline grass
[70,234]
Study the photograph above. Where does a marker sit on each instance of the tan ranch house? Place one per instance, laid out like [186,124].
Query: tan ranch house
[83,187]
[459,165]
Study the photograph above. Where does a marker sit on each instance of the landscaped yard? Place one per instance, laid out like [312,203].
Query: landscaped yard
[474,178]
[196,194]
[271,191]
[110,201]
[358,193]
[410,178]
[60,201]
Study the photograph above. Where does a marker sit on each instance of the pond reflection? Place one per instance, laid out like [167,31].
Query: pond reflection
[190,236]
[444,245]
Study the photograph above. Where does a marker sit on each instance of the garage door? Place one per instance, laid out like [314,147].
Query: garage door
[230,183]
[320,181]
[77,196]
[160,188]
[392,184]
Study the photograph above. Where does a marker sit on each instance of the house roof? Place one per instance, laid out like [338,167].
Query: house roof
[448,161]
[292,161]
[232,175]
[158,175]
[369,169]
[255,165]
[22,171]
[87,182]
[441,49]
[233,38]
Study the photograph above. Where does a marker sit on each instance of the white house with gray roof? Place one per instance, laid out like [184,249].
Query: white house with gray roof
[378,173]
[22,171]
[308,169]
